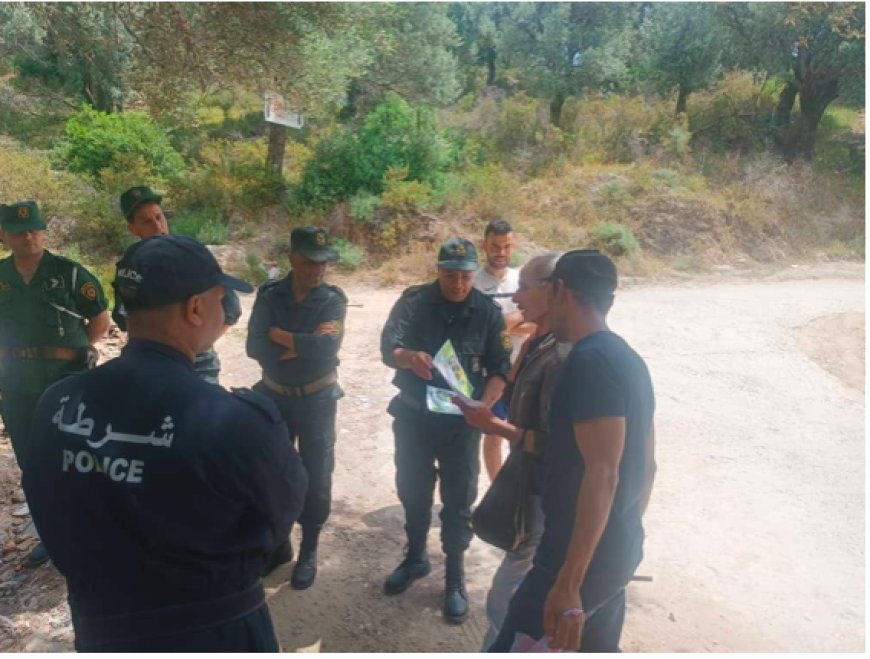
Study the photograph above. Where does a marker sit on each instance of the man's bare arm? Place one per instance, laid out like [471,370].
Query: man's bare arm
[601,442]
[493,390]
[97,327]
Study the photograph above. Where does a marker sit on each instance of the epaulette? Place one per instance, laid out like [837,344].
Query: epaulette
[411,290]
[263,404]
[335,289]
[266,285]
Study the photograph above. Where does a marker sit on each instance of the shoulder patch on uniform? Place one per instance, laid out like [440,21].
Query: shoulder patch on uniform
[337,291]
[258,401]
[5,286]
[506,342]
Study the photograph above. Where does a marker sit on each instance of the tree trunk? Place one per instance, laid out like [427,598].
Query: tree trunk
[556,108]
[815,96]
[277,143]
[782,115]
[490,66]
[682,97]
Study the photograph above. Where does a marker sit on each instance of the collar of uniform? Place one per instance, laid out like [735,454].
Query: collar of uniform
[285,288]
[432,295]
[144,345]
[43,270]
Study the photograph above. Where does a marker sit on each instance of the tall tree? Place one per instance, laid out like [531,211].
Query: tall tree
[560,49]
[479,25]
[813,47]
[681,46]
[415,59]
[305,52]
[77,49]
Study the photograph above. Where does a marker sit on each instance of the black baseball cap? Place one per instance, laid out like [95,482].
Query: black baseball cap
[313,242]
[136,195]
[163,270]
[457,254]
[585,269]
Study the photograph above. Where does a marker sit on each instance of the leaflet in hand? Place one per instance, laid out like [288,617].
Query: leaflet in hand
[451,370]
[438,401]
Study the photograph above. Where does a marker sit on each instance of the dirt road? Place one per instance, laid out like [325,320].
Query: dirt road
[755,532]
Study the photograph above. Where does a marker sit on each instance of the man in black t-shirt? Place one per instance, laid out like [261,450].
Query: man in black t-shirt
[598,472]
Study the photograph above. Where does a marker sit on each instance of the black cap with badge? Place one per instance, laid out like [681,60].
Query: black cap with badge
[585,269]
[164,270]
[312,242]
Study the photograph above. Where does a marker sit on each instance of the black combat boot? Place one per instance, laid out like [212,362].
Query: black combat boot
[455,600]
[415,566]
[283,553]
[305,569]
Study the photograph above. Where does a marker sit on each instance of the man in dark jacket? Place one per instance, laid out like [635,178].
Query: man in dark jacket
[419,324]
[158,495]
[294,333]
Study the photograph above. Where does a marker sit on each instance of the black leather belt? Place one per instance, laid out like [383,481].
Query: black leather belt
[189,617]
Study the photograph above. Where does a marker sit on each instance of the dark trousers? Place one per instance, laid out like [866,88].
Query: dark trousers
[603,602]
[252,633]
[421,441]
[17,409]
[311,423]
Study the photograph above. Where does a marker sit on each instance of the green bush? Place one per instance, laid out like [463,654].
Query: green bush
[350,256]
[732,116]
[201,225]
[394,134]
[332,173]
[95,140]
[100,230]
[254,272]
[363,205]
[613,238]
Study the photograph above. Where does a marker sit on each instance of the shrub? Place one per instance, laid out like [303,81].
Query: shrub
[733,115]
[350,256]
[403,195]
[363,205]
[394,134]
[613,238]
[200,225]
[254,272]
[95,140]
[618,128]
[230,175]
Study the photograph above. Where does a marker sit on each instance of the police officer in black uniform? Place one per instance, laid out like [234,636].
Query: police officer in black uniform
[145,218]
[419,324]
[160,496]
[295,332]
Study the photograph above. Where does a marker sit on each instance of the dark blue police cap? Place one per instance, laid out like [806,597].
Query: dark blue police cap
[164,270]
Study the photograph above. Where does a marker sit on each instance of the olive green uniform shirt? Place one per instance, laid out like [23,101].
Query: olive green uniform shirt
[49,311]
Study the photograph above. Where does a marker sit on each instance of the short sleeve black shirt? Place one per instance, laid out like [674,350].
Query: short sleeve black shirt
[602,377]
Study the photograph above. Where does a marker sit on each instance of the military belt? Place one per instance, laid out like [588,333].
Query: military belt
[306,389]
[45,352]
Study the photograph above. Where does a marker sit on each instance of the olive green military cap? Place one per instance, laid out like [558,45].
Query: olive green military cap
[20,217]
[136,195]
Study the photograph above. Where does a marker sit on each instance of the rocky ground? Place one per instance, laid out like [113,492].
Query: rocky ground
[755,532]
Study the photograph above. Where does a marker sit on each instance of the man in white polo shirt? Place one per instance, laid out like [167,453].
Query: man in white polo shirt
[499,281]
